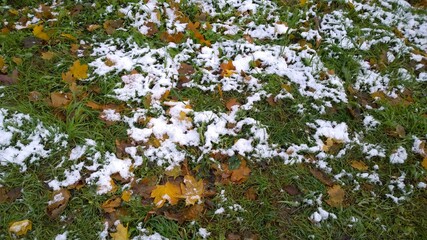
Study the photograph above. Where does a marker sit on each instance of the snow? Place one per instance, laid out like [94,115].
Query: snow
[62,236]
[399,156]
[203,233]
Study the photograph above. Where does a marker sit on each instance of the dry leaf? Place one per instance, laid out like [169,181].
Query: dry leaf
[58,203]
[251,194]
[38,32]
[110,26]
[192,190]
[144,187]
[68,77]
[126,195]
[168,192]
[359,165]
[47,55]
[59,99]
[121,233]
[231,102]
[93,27]
[175,38]
[78,70]
[188,214]
[110,205]
[20,228]
[321,176]
[241,174]
[227,69]
[2,64]
[336,196]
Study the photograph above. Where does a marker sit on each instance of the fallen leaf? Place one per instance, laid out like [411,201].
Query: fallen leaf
[58,203]
[234,236]
[187,214]
[16,60]
[424,163]
[174,172]
[336,196]
[126,195]
[192,190]
[59,99]
[68,77]
[38,32]
[227,69]
[69,36]
[241,174]
[14,194]
[359,165]
[93,27]
[2,64]
[231,102]
[20,228]
[47,55]
[9,80]
[79,70]
[110,26]
[321,176]
[110,205]
[251,194]
[152,29]
[175,38]
[144,187]
[121,233]
[292,190]
[109,62]
[168,192]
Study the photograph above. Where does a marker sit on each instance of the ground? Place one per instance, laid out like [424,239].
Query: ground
[238,119]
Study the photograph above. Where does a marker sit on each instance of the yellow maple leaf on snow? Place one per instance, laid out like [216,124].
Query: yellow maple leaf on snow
[168,192]
[192,190]
[79,70]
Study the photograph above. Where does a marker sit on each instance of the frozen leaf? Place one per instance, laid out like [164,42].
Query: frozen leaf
[152,29]
[126,195]
[424,163]
[59,99]
[241,174]
[359,165]
[20,228]
[38,32]
[110,205]
[192,190]
[168,192]
[79,70]
[109,62]
[58,203]
[47,55]
[227,69]
[121,233]
[336,196]
[231,102]
[321,176]
[175,38]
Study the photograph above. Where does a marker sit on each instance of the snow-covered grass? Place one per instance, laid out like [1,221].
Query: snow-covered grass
[320,85]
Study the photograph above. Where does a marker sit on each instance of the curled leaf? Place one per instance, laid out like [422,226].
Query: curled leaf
[58,203]
[20,228]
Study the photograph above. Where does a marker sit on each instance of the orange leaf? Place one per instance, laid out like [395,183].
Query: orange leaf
[126,195]
[232,102]
[336,196]
[121,233]
[58,203]
[20,228]
[110,205]
[168,192]
[359,165]
[59,99]
[38,32]
[241,174]
[227,69]
[78,70]
[192,190]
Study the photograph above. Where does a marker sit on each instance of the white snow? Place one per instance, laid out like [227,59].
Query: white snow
[399,156]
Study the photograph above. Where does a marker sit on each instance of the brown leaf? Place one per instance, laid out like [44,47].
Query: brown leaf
[241,174]
[58,203]
[234,236]
[93,27]
[110,205]
[187,214]
[9,80]
[152,29]
[227,69]
[292,190]
[359,165]
[251,194]
[336,196]
[144,187]
[59,99]
[231,102]
[192,190]
[321,176]
[175,38]
[271,101]
[47,55]
[110,26]
[14,194]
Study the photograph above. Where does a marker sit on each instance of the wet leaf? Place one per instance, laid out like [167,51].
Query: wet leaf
[187,214]
[79,70]
[20,228]
[192,190]
[152,29]
[174,172]
[39,33]
[321,176]
[121,233]
[144,187]
[175,38]
[68,77]
[2,64]
[16,60]
[69,36]
[58,203]
[110,205]
[251,194]
[168,192]
[359,165]
[93,27]
[336,196]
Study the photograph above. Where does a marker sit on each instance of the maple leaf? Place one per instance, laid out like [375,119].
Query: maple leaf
[232,102]
[38,32]
[110,205]
[59,99]
[20,228]
[336,196]
[121,233]
[168,192]
[241,174]
[227,69]
[192,190]
[78,70]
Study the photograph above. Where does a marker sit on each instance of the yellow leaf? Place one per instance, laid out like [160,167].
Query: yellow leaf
[174,172]
[93,27]
[192,190]
[168,192]
[21,227]
[38,32]
[78,70]
[121,233]
[126,195]
[424,163]
[69,36]
[359,165]
[336,196]
[17,60]
[302,2]
[13,11]
[47,55]
[2,64]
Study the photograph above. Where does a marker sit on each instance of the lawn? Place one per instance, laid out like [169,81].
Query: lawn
[191,119]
